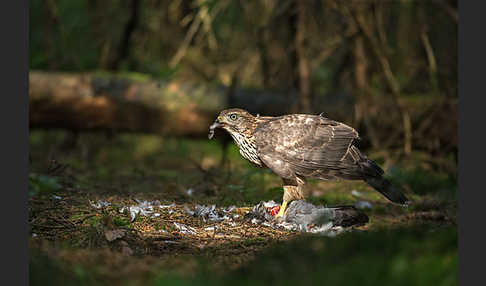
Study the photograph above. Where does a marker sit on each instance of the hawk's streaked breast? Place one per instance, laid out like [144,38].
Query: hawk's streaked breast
[246,146]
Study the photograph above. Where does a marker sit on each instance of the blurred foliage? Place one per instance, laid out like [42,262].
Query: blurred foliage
[404,256]
[215,39]
[422,181]
[45,271]
[383,257]
[42,184]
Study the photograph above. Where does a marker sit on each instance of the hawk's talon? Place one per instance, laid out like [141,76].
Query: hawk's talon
[281,212]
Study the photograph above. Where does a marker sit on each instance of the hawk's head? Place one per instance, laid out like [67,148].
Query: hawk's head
[233,120]
[240,125]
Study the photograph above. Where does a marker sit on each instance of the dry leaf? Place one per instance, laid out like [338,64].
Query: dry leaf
[111,235]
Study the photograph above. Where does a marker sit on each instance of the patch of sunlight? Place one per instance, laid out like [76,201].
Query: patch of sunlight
[148,145]
[135,76]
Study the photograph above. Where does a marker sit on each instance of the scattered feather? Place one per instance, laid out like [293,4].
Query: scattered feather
[210,212]
[357,193]
[167,206]
[185,229]
[144,208]
[363,205]
[99,204]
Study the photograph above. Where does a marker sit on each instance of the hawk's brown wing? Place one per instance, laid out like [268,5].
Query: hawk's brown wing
[306,145]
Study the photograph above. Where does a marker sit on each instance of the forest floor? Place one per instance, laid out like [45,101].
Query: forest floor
[82,233]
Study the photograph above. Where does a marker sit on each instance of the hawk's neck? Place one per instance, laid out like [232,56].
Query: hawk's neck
[247,146]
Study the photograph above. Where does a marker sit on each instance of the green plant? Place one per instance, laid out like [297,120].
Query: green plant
[42,184]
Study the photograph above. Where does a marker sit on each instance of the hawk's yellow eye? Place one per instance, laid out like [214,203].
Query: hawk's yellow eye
[232,116]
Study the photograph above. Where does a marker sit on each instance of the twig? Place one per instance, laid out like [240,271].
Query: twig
[185,44]
[49,226]
[202,17]
[331,45]
[430,57]
[451,11]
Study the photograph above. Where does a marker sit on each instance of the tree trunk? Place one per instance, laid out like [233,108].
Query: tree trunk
[125,44]
[303,68]
[52,32]
[300,65]
[264,64]
[362,93]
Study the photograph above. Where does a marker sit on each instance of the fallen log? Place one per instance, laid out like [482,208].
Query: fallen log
[93,101]
[82,102]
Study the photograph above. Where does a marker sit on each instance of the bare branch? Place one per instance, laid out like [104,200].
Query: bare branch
[185,43]
[204,17]
[430,55]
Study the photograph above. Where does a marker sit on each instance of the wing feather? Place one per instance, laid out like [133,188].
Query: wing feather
[311,145]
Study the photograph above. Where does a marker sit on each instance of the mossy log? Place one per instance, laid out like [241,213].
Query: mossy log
[81,102]
[94,101]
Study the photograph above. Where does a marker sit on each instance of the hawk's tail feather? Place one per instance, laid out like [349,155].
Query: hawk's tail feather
[384,186]
[373,175]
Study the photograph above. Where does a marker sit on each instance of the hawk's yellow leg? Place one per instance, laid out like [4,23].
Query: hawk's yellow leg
[281,212]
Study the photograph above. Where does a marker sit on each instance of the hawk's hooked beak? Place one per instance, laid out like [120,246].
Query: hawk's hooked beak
[217,123]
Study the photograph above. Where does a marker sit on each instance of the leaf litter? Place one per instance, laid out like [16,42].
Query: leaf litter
[197,225]
[178,231]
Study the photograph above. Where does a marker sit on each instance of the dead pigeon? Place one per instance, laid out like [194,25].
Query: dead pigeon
[306,217]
